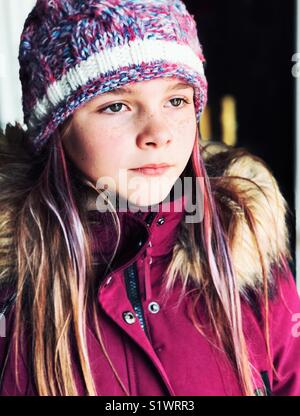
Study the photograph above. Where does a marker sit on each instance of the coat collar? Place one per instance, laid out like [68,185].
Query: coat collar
[156,226]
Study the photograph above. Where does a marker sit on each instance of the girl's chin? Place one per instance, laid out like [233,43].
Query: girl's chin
[144,200]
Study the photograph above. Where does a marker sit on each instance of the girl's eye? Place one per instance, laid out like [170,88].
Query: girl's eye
[115,108]
[176,102]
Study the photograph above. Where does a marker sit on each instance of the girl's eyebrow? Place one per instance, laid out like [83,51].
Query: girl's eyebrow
[119,91]
[180,86]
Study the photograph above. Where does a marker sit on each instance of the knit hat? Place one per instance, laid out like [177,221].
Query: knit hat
[74,50]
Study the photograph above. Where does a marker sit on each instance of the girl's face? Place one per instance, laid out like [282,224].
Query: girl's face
[149,122]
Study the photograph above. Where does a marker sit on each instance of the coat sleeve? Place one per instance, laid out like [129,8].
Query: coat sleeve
[285,337]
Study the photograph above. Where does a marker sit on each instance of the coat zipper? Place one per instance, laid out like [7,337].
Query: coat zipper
[132,285]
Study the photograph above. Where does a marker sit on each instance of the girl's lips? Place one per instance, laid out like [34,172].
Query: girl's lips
[151,171]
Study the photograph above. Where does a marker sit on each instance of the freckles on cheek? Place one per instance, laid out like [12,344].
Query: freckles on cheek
[186,129]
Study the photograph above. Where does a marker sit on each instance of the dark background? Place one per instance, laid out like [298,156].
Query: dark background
[248,46]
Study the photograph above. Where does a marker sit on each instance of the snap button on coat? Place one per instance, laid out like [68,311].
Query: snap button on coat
[129,317]
[161,221]
[153,307]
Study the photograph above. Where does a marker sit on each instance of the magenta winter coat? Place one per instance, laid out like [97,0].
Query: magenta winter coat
[154,347]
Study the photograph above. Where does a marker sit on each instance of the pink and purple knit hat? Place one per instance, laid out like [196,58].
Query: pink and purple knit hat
[74,50]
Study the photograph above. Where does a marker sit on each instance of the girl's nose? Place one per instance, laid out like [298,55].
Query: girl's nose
[154,132]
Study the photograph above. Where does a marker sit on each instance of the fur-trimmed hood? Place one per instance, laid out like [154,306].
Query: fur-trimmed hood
[258,191]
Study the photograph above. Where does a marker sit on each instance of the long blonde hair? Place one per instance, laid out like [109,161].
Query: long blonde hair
[46,260]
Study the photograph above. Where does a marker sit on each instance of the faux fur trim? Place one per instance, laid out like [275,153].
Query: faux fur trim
[250,178]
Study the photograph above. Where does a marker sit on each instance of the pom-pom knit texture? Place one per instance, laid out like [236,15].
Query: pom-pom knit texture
[72,51]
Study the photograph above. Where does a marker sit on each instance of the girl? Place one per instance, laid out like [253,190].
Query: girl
[134,260]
